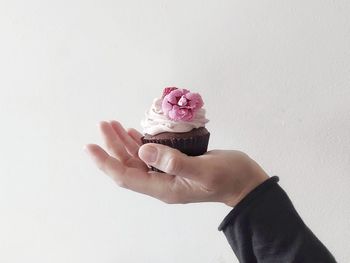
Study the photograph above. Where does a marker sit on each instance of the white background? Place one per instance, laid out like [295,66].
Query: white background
[275,77]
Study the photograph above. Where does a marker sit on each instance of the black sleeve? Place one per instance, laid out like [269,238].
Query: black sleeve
[265,227]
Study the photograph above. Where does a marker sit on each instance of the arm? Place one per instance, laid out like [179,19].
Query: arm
[265,227]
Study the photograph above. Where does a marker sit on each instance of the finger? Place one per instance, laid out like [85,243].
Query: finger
[114,144]
[157,185]
[170,160]
[131,146]
[98,155]
[136,135]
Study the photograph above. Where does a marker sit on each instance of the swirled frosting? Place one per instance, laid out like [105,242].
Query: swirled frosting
[156,121]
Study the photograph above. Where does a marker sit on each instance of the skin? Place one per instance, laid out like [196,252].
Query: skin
[225,176]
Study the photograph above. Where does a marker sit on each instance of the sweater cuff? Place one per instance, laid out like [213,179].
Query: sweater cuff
[247,200]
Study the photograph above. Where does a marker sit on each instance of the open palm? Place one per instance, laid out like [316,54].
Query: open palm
[123,164]
[123,145]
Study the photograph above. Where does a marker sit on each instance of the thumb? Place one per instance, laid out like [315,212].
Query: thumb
[170,160]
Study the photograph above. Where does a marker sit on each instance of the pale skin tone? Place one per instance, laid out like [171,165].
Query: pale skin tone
[225,176]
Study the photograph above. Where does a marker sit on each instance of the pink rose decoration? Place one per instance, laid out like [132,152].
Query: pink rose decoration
[180,104]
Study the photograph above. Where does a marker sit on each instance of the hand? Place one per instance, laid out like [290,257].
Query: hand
[217,176]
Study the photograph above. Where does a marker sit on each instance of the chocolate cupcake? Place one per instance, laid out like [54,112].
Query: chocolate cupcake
[177,119]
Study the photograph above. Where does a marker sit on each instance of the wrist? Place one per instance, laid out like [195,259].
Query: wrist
[255,177]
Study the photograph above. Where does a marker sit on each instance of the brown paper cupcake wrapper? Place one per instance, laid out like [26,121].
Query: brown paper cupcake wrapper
[192,146]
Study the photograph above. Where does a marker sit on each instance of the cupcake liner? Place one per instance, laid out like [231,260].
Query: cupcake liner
[192,146]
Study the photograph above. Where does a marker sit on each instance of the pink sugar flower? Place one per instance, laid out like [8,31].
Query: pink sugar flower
[180,104]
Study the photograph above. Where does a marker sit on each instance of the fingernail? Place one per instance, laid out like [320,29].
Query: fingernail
[85,149]
[148,153]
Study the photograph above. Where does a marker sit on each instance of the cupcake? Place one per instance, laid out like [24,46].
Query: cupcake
[177,119]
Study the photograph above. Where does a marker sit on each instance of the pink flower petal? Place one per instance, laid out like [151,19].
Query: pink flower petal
[166,106]
[167,90]
[182,101]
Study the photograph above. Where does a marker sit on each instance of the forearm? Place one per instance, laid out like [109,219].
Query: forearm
[265,227]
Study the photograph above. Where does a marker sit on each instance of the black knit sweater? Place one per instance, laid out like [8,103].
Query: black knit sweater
[265,227]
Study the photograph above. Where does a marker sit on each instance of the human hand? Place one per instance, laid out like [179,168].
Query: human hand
[225,176]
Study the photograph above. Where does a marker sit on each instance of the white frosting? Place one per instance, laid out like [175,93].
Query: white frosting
[156,122]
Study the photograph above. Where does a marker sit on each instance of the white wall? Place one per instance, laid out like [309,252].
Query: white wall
[275,76]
